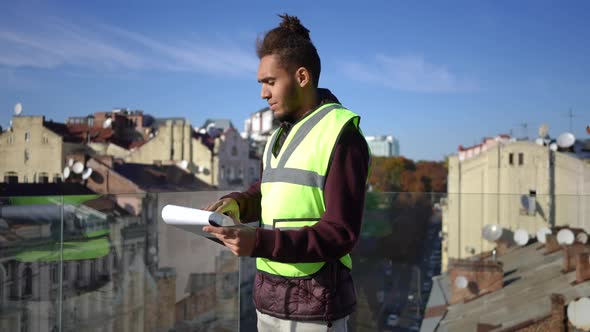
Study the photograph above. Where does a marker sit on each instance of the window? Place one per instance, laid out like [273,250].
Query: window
[45,139]
[27,281]
[24,321]
[25,179]
[64,271]
[79,271]
[43,178]
[27,136]
[2,288]
[521,159]
[57,178]
[105,265]
[234,151]
[222,173]
[93,271]
[54,274]
[11,177]
[27,156]
[10,139]
[511,159]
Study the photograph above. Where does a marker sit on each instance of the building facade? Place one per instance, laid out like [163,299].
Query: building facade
[258,128]
[383,146]
[34,150]
[514,184]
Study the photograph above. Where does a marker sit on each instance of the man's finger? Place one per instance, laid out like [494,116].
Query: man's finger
[213,230]
[213,206]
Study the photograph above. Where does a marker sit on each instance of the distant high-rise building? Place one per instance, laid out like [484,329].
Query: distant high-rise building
[258,128]
[383,146]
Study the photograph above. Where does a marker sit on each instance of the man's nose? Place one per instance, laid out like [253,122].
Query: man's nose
[264,92]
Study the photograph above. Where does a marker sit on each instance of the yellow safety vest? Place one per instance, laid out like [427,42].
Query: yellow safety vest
[293,182]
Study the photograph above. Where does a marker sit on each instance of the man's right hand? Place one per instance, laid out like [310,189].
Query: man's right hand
[228,206]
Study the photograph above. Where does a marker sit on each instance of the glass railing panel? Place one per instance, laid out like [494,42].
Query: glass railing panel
[31,253]
[398,254]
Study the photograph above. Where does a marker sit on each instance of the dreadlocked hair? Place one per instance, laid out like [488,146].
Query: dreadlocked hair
[291,43]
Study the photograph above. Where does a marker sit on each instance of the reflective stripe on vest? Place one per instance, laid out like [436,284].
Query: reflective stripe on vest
[293,182]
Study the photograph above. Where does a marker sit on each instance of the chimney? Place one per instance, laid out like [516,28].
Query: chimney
[558,315]
[582,267]
[551,244]
[570,254]
[476,278]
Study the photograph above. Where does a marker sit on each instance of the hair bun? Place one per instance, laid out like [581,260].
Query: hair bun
[293,24]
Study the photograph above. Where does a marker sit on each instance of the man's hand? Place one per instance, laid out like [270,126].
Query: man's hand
[227,206]
[240,240]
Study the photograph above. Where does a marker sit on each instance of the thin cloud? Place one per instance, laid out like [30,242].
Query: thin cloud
[408,73]
[56,43]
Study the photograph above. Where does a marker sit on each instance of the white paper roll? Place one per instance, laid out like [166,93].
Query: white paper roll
[183,216]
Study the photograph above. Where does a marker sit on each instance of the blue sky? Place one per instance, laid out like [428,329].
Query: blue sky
[433,74]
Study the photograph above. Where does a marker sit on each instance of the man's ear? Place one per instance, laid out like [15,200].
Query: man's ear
[302,76]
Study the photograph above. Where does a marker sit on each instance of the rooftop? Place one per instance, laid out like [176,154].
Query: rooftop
[530,278]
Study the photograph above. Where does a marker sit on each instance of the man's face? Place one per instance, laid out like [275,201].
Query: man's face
[279,88]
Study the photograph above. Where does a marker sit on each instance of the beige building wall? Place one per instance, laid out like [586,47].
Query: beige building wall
[233,162]
[173,142]
[202,165]
[31,151]
[490,189]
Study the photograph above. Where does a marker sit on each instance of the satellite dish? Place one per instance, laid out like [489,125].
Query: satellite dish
[565,236]
[541,233]
[66,172]
[70,162]
[78,167]
[107,123]
[566,140]
[582,238]
[18,109]
[553,146]
[577,313]
[540,141]
[571,313]
[583,308]
[87,173]
[461,282]
[183,164]
[521,237]
[492,232]
[543,131]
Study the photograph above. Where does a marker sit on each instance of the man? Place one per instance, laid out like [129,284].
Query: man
[311,196]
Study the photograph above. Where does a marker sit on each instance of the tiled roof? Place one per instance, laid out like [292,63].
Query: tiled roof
[530,278]
[160,178]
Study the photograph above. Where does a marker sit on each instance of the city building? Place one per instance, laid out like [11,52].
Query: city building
[258,128]
[383,146]
[534,287]
[34,150]
[514,184]
[234,166]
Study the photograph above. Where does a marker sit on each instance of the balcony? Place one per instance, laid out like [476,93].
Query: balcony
[134,272]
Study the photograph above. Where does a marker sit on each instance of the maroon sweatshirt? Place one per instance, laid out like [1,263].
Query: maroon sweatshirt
[337,232]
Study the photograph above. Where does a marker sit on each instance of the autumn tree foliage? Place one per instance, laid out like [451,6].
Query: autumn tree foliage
[399,174]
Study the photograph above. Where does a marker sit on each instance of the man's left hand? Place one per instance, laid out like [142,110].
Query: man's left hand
[240,240]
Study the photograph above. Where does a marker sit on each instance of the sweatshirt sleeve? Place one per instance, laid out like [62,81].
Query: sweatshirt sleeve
[338,230]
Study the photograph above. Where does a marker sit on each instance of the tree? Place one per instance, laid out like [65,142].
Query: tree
[399,174]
